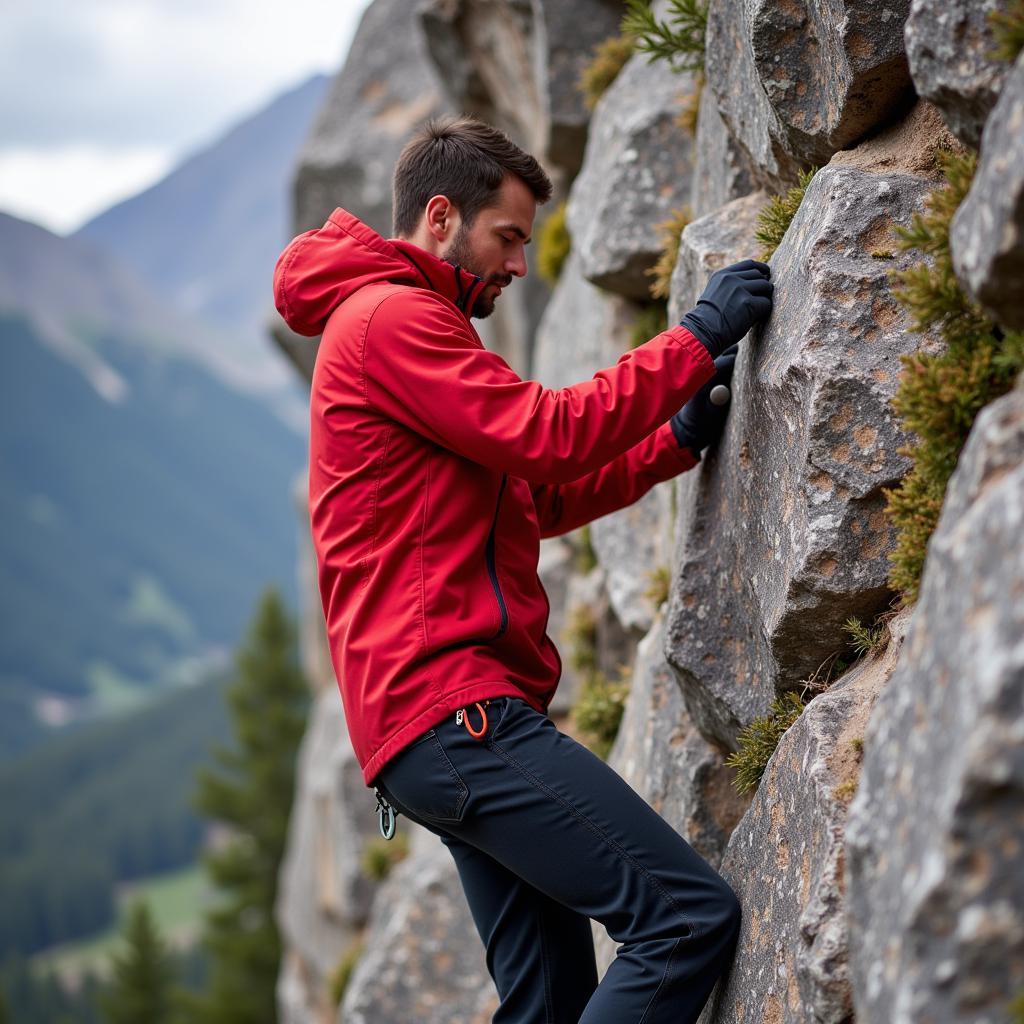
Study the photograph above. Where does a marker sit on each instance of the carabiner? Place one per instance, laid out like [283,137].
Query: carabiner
[478,734]
[386,816]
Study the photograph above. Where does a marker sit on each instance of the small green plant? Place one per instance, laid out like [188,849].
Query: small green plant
[580,635]
[660,579]
[598,709]
[882,254]
[650,321]
[339,978]
[1016,1008]
[586,557]
[844,790]
[758,741]
[687,119]
[609,57]
[774,220]
[553,245]
[1008,29]
[939,396]
[380,855]
[865,639]
[670,231]
[679,40]
[858,744]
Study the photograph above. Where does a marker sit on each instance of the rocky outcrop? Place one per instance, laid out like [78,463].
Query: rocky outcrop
[935,863]
[785,531]
[797,81]
[636,172]
[987,236]
[722,168]
[949,46]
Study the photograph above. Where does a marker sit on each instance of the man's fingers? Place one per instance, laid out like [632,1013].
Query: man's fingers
[760,306]
[757,265]
[759,286]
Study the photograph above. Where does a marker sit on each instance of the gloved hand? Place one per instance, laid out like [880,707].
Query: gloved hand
[700,422]
[734,299]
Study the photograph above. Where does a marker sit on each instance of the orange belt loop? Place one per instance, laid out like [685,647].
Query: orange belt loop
[483,725]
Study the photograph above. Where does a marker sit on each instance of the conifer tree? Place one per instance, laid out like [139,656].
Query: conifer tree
[251,792]
[140,989]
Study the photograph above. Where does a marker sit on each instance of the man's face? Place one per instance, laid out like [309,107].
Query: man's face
[494,247]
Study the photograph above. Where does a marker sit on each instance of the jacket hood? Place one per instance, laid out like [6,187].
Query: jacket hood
[320,269]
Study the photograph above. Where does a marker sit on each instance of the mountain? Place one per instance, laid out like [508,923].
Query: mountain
[146,498]
[207,236]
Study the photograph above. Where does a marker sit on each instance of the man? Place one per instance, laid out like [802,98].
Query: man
[434,472]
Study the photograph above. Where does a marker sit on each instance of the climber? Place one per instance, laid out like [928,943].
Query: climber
[434,471]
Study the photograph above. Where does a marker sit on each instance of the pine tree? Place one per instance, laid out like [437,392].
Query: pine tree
[140,990]
[252,794]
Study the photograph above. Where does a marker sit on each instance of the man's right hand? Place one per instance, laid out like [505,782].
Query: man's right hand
[735,298]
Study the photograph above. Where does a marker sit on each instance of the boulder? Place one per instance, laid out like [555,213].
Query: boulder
[797,81]
[934,859]
[722,170]
[783,531]
[636,172]
[785,862]
[423,960]
[516,64]
[949,45]
[987,234]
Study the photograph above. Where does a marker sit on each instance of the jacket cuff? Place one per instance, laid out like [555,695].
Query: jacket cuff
[684,455]
[695,346]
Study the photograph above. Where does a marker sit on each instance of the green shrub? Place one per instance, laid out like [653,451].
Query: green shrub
[580,636]
[865,639]
[586,557]
[669,231]
[650,321]
[598,709]
[774,220]
[660,579]
[687,119]
[939,396]
[757,742]
[679,40]
[1008,29]
[609,57]
[553,245]
[341,975]
[380,855]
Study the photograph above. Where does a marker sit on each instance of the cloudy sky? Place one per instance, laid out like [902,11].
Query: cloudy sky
[100,98]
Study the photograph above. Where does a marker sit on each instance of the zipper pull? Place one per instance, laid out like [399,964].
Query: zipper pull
[459,716]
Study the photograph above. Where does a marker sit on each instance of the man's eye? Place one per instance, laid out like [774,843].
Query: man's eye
[507,239]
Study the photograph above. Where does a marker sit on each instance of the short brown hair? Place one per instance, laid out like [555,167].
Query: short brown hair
[464,159]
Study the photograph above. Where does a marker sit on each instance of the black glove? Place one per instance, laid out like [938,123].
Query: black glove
[735,298]
[700,422]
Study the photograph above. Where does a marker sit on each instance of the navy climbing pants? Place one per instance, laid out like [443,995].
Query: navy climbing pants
[545,836]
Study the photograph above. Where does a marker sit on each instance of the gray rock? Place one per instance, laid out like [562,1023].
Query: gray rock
[948,44]
[785,862]
[987,235]
[722,171]
[796,82]
[636,171]
[516,63]
[783,530]
[934,859]
[423,960]
[710,243]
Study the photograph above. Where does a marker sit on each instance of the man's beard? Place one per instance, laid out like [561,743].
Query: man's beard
[460,254]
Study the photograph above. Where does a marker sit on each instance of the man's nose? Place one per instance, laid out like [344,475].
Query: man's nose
[517,264]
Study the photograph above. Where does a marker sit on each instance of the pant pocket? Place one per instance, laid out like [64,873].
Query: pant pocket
[425,783]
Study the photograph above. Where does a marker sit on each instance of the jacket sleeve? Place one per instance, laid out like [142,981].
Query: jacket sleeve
[423,366]
[624,480]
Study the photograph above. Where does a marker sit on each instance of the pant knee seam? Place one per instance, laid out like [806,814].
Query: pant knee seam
[661,984]
[619,851]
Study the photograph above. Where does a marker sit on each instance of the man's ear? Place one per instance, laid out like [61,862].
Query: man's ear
[441,218]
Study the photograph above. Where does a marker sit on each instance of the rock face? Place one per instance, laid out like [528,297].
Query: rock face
[785,862]
[516,64]
[987,236]
[722,170]
[636,172]
[797,81]
[948,45]
[935,868]
[785,530]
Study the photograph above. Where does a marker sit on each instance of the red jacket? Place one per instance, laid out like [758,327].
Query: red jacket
[434,471]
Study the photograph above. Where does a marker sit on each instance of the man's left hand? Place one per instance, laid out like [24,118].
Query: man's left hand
[700,422]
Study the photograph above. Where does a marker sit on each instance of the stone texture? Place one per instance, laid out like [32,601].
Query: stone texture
[935,868]
[710,243]
[785,862]
[722,171]
[948,44]
[783,531]
[797,81]
[636,171]
[516,64]
[987,235]
[423,960]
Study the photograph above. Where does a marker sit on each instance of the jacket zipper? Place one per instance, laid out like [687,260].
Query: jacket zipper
[491,569]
